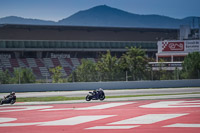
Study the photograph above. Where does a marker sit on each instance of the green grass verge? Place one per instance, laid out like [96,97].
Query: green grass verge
[45,99]
[62,98]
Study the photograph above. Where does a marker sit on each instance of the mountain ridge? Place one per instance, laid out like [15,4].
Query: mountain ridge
[105,16]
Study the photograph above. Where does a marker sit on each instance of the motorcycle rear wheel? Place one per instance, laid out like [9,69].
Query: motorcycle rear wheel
[87,98]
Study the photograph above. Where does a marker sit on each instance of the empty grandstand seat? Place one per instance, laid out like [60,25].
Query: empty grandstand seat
[69,61]
[68,70]
[36,71]
[64,62]
[75,62]
[14,63]
[44,71]
[39,63]
[24,61]
[31,62]
[56,62]
[6,62]
[48,62]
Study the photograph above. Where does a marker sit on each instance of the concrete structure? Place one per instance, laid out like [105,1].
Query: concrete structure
[40,47]
[94,85]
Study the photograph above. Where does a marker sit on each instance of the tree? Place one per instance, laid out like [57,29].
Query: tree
[56,74]
[191,66]
[22,75]
[135,62]
[4,77]
[86,72]
[163,74]
[108,67]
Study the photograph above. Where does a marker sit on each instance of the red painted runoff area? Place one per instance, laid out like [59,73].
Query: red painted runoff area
[157,116]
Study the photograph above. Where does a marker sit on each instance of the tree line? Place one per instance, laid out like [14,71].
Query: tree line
[131,66]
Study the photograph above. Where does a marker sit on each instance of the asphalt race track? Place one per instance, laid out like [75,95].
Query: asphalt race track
[108,92]
[153,116]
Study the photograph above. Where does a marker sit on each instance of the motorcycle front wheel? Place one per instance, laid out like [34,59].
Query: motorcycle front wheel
[102,98]
[12,102]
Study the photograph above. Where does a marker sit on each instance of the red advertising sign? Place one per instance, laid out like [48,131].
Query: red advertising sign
[172,46]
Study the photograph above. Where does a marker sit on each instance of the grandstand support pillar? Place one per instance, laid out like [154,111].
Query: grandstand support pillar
[17,54]
[39,55]
[172,58]
[156,58]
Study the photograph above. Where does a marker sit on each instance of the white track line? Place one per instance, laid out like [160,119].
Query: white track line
[183,125]
[63,122]
[102,106]
[76,120]
[112,127]
[148,119]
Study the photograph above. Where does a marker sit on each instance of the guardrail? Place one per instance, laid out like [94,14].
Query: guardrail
[5,88]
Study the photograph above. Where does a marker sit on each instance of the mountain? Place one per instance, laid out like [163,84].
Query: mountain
[20,20]
[106,16]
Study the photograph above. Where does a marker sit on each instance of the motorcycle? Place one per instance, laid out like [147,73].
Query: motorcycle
[9,100]
[95,95]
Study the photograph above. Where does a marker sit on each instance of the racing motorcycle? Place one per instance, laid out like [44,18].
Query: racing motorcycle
[95,95]
[8,100]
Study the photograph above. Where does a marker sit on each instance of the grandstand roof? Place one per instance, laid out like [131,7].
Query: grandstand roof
[83,33]
[80,27]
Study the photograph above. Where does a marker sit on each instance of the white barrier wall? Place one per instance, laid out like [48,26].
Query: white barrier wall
[5,88]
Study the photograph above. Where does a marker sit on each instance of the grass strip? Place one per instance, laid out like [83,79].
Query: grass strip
[46,99]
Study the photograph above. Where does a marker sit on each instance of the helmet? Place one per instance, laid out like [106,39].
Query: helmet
[13,93]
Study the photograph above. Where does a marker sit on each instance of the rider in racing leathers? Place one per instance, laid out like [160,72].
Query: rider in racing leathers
[11,96]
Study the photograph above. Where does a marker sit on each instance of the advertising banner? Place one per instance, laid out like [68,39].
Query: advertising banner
[172,46]
[192,46]
[186,46]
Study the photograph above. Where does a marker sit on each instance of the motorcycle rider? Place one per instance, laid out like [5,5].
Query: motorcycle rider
[11,96]
[9,99]
[98,92]
[95,94]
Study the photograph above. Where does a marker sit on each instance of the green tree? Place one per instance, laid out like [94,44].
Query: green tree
[108,67]
[86,72]
[163,73]
[176,74]
[134,61]
[22,75]
[56,74]
[72,77]
[191,66]
[5,77]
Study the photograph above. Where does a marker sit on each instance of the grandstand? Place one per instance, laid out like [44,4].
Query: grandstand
[42,47]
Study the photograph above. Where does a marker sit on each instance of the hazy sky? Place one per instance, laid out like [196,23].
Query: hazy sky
[58,9]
